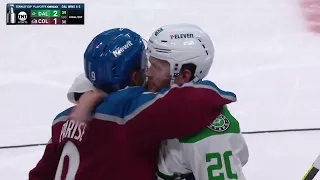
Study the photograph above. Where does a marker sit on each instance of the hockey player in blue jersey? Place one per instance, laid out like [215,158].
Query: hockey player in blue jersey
[129,125]
[68,142]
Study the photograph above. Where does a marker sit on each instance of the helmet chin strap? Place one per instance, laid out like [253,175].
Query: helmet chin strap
[145,82]
[196,79]
[173,77]
[172,81]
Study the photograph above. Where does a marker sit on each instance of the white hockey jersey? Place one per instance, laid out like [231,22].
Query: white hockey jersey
[218,152]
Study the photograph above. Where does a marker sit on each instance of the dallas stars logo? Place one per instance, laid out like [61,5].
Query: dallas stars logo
[220,124]
[158,31]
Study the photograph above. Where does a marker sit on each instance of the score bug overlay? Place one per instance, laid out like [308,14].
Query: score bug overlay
[45,14]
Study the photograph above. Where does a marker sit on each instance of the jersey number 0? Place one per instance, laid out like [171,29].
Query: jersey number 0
[72,152]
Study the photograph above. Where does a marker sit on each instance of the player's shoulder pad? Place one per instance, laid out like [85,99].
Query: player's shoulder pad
[146,98]
[143,100]
[117,103]
[211,85]
[63,115]
[124,103]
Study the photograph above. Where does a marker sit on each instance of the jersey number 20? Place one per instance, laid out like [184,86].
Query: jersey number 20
[222,163]
[72,152]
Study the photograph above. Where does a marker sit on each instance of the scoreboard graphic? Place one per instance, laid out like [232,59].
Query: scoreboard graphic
[45,14]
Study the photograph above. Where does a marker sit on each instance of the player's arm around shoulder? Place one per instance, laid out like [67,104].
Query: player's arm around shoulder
[191,106]
[86,104]
[46,167]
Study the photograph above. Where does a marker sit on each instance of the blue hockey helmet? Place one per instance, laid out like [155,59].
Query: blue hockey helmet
[111,57]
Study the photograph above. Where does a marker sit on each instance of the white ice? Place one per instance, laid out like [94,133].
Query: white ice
[264,53]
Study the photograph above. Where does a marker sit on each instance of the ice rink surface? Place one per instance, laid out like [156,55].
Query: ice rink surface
[265,53]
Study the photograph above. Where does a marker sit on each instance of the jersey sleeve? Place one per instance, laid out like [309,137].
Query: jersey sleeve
[179,111]
[240,148]
[45,169]
[238,142]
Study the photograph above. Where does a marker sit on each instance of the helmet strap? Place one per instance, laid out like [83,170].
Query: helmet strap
[173,77]
[196,79]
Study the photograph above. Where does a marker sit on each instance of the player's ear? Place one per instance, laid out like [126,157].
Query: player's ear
[186,75]
[137,78]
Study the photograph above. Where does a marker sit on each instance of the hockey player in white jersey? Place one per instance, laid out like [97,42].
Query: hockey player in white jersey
[216,153]
[182,53]
[219,151]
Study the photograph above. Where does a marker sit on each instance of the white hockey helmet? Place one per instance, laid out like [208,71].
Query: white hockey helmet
[80,85]
[181,44]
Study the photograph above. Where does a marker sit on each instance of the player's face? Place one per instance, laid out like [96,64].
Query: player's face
[158,74]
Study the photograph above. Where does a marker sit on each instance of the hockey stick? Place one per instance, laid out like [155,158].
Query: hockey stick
[314,169]
[24,145]
[249,132]
[281,130]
